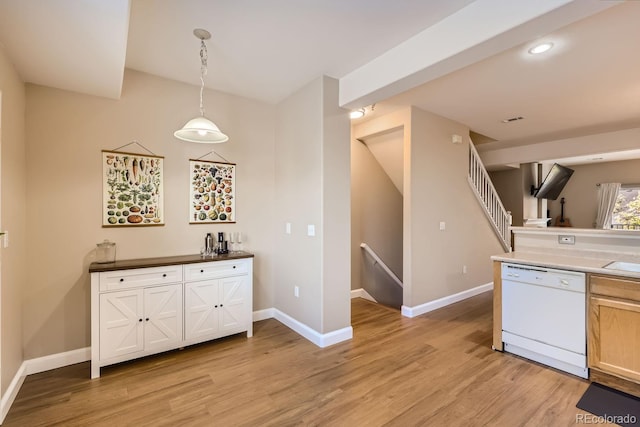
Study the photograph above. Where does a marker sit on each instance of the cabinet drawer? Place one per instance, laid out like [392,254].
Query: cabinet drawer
[215,270]
[138,277]
[615,287]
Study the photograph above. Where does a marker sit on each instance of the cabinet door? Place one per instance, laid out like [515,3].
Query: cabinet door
[614,337]
[201,309]
[121,327]
[162,317]
[233,305]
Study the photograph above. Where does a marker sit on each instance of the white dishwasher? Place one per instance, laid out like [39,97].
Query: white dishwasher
[543,316]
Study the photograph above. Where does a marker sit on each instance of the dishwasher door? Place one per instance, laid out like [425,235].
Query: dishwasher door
[545,305]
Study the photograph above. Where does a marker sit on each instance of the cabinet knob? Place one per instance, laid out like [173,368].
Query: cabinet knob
[147,319]
[139,320]
[201,271]
[215,306]
[220,305]
[164,275]
[122,279]
[234,266]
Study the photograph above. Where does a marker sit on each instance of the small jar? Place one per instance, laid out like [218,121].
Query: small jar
[106,252]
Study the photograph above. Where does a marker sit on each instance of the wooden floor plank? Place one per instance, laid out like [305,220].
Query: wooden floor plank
[435,369]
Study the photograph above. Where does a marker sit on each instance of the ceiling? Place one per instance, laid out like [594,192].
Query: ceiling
[589,82]
[267,49]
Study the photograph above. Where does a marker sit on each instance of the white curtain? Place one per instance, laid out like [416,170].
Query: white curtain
[607,195]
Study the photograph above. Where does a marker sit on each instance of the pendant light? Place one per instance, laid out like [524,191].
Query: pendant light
[201,129]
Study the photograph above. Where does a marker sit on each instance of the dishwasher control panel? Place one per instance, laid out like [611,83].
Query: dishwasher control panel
[551,277]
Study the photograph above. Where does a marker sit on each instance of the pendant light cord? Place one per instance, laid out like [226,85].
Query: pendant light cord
[203,72]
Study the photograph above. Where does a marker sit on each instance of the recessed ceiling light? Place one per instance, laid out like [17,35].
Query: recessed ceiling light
[356,114]
[540,48]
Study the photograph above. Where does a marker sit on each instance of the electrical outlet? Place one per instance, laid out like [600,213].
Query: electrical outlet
[443,226]
[296,291]
[464,269]
[567,240]
[311,230]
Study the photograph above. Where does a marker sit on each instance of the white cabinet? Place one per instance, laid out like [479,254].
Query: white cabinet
[136,312]
[120,330]
[215,307]
[217,300]
[140,320]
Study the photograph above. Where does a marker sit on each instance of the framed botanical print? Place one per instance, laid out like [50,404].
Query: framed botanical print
[132,189]
[212,192]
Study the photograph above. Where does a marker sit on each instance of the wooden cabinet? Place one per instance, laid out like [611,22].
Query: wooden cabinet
[140,311]
[614,329]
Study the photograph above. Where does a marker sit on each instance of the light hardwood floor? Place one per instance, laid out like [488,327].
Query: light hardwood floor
[437,369]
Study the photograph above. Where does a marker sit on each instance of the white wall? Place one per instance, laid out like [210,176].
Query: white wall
[508,185]
[496,154]
[436,190]
[66,132]
[581,192]
[439,192]
[376,214]
[312,188]
[13,209]
[336,211]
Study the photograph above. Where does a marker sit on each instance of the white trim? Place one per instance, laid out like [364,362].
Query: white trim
[361,293]
[443,302]
[265,314]
[379,260]
[12,391]
[321,340]
[37,365]
[58,360]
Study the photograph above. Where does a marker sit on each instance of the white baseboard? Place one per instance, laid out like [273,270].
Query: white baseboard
[37,365]
[58,360]
[321,340]
[361,293]
[12,391]
[443,302]
[259,315]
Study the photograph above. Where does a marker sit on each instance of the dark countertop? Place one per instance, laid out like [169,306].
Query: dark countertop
[128,264]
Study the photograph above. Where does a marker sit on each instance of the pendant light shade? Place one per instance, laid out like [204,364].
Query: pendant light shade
[201,129]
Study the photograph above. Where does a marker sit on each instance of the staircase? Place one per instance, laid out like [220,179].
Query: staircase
[485,192]
[381,283]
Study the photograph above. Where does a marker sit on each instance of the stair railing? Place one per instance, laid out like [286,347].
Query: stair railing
[485,192]
[379,261]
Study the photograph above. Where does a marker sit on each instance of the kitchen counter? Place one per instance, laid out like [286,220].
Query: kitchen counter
[611,293]
[129,264]
[578,261]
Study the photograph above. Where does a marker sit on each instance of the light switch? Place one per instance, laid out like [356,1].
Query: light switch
[311,230]
[443,225]
[287,228]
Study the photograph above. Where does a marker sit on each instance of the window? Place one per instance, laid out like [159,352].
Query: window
[626,214]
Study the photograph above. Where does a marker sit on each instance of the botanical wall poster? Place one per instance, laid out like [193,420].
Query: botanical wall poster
[132,189]
[212,189]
